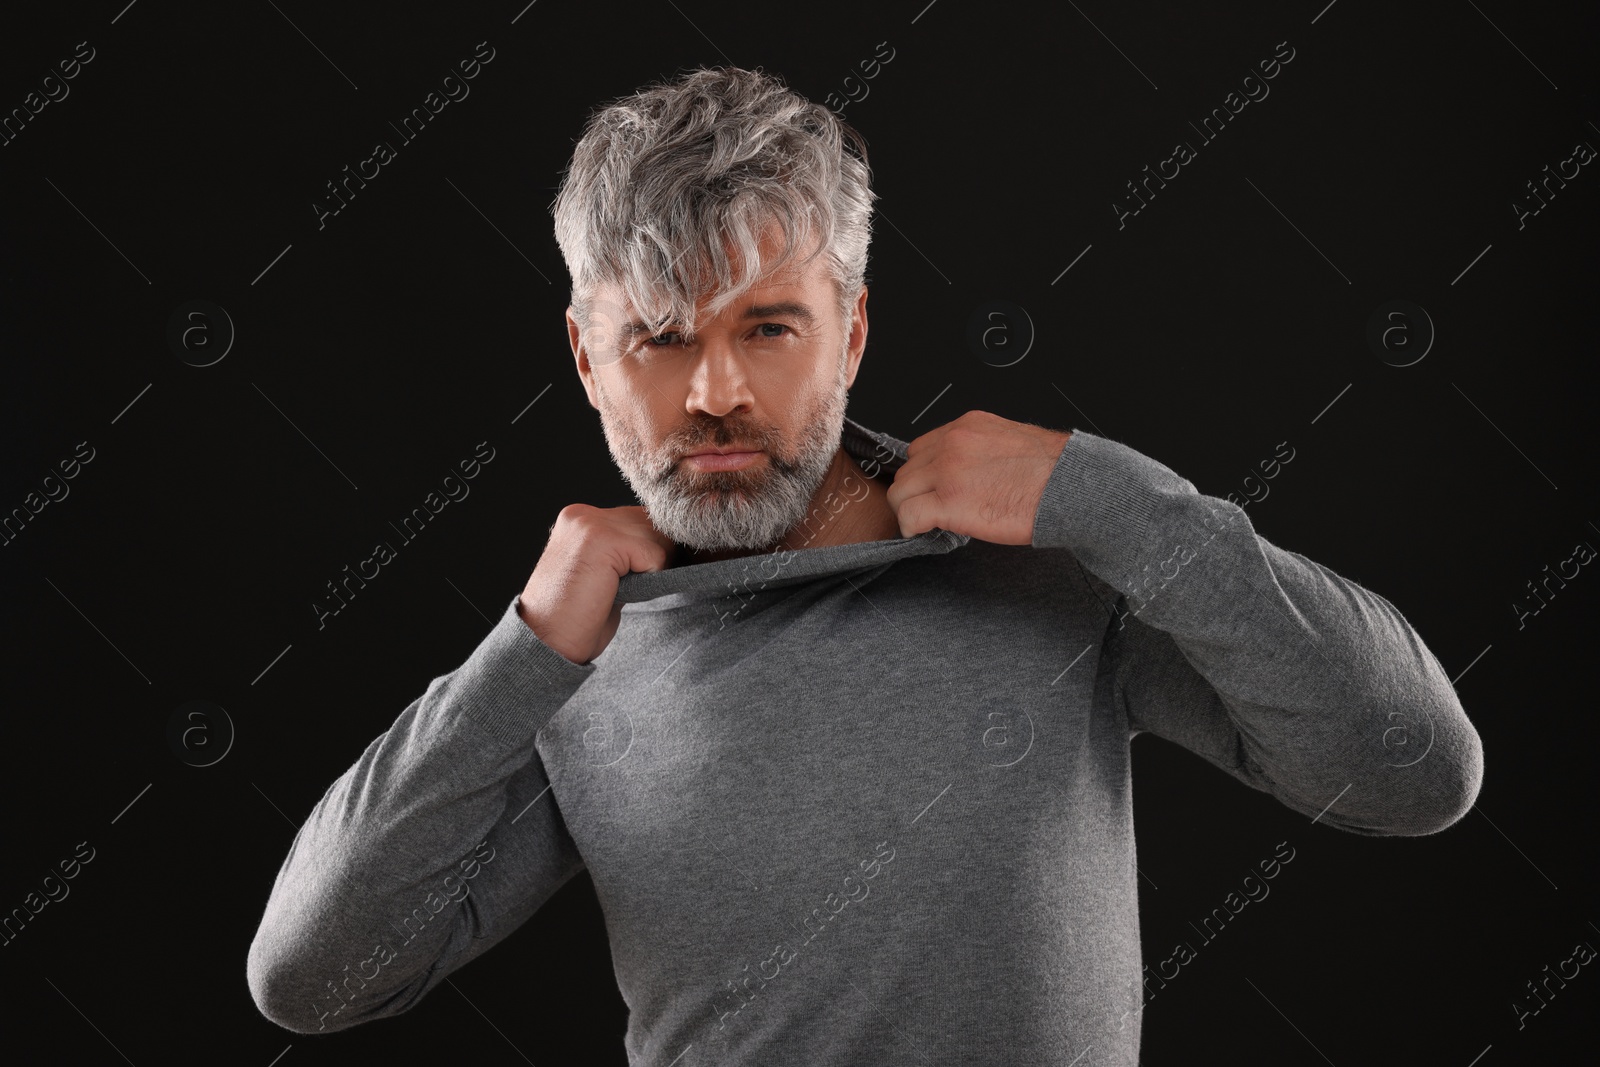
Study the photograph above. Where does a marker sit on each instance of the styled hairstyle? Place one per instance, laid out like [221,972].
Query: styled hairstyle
[664,180]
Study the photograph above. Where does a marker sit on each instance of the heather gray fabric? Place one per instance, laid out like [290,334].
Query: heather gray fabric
[870,803]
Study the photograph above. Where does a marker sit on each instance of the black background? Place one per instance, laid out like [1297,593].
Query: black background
[377,351]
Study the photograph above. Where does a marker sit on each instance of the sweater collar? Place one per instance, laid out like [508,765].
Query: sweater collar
[879,454]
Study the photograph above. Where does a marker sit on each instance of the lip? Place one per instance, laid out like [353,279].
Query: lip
[722,460]
[721,451]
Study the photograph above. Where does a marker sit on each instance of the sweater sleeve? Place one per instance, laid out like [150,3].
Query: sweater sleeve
[1292,679]
[440,841]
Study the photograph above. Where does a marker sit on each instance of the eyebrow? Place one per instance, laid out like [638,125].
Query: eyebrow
[784,309]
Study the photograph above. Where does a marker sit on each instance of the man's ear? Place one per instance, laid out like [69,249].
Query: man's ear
[580,355]
[858,337]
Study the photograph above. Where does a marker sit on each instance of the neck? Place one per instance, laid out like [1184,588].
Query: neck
[847,508]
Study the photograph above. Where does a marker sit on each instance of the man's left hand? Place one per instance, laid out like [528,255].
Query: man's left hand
[979,475]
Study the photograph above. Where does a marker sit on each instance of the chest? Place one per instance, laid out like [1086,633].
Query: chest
[816,713]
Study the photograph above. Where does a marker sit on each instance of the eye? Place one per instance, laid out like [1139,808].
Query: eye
[771,326]
[660,340]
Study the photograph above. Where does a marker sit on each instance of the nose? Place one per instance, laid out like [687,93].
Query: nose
[719,380]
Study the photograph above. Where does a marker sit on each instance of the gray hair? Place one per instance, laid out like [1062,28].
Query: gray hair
[662,180]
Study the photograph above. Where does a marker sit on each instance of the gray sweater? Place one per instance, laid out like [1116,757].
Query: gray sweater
[867,803]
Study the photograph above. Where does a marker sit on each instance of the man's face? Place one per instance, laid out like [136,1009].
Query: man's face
[769,374]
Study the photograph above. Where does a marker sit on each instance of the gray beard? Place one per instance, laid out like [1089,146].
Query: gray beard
[749,509]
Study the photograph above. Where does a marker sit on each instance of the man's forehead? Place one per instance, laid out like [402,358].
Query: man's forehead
[776,292]
[773,283]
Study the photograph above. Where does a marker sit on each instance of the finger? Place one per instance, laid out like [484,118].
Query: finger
[912,479]
[919,514]
[922,442]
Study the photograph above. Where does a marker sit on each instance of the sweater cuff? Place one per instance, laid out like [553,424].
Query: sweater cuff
[515,682]
[1100,501]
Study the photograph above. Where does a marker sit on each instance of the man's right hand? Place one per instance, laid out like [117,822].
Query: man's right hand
[568,602]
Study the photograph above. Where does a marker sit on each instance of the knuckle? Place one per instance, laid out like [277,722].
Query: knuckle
[582,516]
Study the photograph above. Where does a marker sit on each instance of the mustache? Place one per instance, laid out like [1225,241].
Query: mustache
[720,433]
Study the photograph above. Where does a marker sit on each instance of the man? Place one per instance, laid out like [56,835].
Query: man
[838,726]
